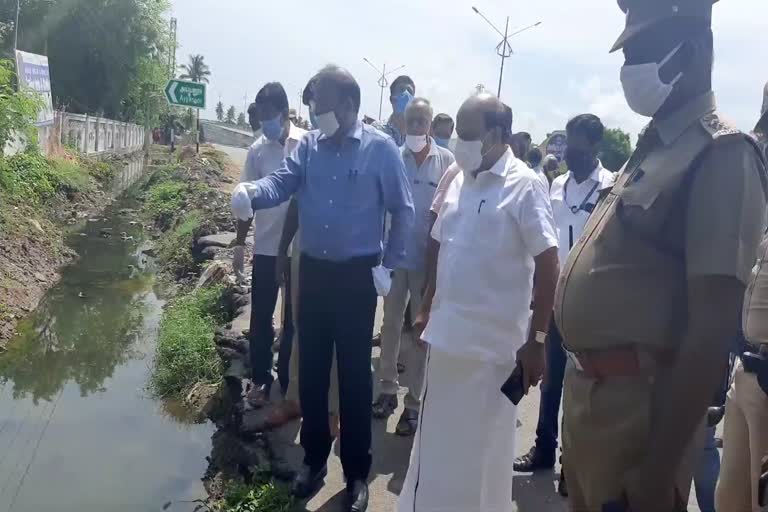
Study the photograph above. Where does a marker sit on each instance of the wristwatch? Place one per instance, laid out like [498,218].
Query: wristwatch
[540,337]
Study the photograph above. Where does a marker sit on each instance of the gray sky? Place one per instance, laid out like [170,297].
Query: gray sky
[560,69]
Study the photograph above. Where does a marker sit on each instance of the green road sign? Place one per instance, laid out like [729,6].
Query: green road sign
[185,94]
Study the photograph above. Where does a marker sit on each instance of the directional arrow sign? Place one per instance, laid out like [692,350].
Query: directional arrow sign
[185,94]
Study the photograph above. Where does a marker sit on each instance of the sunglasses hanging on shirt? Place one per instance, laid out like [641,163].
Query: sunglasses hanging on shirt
[589,208]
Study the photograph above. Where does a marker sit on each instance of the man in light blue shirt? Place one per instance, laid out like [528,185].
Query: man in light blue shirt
[401,92]
[345,177]
[425,163]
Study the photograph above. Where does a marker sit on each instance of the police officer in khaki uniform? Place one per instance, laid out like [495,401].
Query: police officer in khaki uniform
[649,298]
[745,435]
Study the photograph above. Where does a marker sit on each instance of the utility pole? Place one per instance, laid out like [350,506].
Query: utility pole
[300,104]
[383,82]
[504,49]
[172,50]
[16,29]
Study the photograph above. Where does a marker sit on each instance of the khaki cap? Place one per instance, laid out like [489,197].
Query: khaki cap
[643,14]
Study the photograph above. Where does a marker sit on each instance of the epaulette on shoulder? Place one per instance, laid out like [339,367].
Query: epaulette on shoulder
[718,127]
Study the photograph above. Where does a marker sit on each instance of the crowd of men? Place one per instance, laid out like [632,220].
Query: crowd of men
[637,296]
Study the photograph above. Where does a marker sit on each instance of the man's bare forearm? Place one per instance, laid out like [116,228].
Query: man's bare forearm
[290,228]
[242,231]
[433,249]
[545,277]
[684,391]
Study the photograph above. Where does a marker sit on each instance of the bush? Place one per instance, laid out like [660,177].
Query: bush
[175,250]
[263,495]
[165,199]
[186,353]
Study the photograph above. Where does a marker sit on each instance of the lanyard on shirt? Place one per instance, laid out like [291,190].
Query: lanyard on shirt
[577,209]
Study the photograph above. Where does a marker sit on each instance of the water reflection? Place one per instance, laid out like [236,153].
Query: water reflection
[85,327]
[77,430]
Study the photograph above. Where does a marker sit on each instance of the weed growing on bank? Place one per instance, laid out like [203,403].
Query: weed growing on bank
[264,494]
[186,354]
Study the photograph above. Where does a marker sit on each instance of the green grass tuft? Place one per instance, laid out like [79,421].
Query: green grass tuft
[185,350]
[175,249]
[263,495]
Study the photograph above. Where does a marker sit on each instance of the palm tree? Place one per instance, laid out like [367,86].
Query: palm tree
[196,69]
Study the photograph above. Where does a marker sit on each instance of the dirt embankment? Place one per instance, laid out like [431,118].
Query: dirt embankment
[41,200]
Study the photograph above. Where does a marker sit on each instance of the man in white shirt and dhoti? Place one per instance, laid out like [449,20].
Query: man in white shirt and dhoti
[495,229]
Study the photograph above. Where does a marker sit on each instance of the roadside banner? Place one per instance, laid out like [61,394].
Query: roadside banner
[33,74]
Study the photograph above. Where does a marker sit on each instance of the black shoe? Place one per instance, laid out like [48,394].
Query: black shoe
[562,485]
[308,481]
[357,493]
[534,460]
[715,416]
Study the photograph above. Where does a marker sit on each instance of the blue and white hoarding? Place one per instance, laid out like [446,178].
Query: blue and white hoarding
[34,74]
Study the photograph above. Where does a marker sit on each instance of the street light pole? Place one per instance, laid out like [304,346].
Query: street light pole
[503,49]
[503,54]
[383,82]
[16,27]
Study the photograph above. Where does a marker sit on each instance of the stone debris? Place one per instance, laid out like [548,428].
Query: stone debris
[217,240]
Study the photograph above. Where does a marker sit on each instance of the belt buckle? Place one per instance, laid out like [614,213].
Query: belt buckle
[572,356]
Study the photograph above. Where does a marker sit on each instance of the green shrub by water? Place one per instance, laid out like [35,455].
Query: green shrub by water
[175,247]
[185,350]
[262,495]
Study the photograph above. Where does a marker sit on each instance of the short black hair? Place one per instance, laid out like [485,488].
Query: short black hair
[535,156]
[525,135]
[273,94]
[500,119]
[442,118]
[588,124]
[344,82]
[308,94]
[401,80]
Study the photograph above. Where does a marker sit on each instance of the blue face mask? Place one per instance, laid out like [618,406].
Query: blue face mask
[442,142]
[402,100]
[273,128]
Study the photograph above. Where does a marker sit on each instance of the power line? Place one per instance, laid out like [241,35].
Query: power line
[34,452]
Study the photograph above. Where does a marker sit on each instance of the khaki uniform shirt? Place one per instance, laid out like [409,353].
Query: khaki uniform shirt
[755,311]
[690,202]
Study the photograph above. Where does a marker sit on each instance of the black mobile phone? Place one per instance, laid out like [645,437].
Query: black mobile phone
[513,388]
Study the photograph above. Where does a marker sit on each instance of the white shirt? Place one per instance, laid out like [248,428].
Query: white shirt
[567,195]
[490,228]
[264,157]
[424,180]
[542,176]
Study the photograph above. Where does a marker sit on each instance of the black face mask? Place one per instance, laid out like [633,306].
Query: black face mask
[580,162]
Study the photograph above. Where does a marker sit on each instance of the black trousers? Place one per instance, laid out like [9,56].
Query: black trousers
[338,304]
[264,290]
[551,393]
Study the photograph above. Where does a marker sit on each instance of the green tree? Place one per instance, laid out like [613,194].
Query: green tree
[196,69]
[104,55]
[241,120]
[615,149]
[219,111]
[18,110]
[231,115]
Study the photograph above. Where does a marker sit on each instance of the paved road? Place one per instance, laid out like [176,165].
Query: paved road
[532,493]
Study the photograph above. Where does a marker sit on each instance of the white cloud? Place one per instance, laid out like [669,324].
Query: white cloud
[559,69]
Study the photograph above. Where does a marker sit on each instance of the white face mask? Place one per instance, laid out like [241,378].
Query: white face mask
[416,143]
[258,133]
[469,154]
[643,88]
[326,123]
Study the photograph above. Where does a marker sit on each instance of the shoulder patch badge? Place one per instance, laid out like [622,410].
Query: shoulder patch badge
[717,127]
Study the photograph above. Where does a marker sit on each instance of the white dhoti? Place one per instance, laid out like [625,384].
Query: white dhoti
[462,456]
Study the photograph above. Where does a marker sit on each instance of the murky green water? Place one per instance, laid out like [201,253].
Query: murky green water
[78,431]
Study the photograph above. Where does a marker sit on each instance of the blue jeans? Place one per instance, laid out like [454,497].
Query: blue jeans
[707,473]
[551,394]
